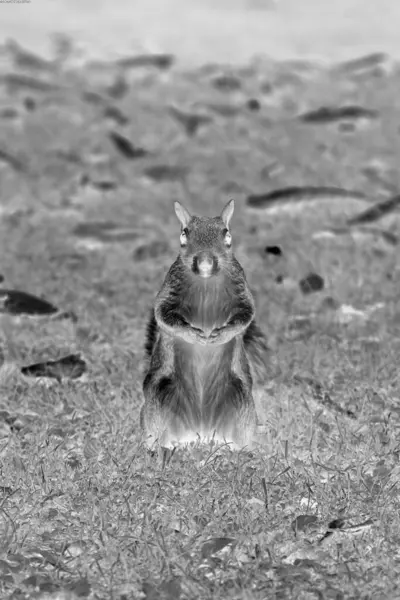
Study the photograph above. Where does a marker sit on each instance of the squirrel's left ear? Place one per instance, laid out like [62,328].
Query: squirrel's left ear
[227,213]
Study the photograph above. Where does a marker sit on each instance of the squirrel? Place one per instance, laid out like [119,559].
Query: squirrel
[203,346]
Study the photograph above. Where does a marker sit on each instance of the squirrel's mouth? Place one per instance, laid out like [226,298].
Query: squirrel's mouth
[205,265]
[205,271]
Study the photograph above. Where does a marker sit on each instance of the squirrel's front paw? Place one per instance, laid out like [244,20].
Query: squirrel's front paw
[199,336]
[217,336]
[222,335]
[215,332]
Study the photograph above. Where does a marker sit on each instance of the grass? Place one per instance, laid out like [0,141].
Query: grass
[85,512]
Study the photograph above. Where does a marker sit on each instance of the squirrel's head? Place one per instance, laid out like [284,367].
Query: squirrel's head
[205,241]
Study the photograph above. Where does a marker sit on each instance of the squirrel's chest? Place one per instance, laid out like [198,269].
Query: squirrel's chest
[209,305]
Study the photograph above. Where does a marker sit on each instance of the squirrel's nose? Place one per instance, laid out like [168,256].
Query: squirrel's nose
[205,264]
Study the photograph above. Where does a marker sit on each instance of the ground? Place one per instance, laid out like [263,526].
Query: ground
[87,222]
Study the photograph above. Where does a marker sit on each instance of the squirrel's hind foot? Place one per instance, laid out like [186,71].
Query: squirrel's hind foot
[187,439]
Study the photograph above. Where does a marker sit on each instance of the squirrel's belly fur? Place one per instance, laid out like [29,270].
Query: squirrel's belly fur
[203,368]
[206,370]
[206,376]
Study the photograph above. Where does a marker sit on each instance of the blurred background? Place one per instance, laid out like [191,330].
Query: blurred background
[223,30]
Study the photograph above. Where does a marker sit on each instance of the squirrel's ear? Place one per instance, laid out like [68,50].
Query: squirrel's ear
[182,214]
[227,213]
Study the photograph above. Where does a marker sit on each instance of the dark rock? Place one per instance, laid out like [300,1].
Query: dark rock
[311,283]
[274,250]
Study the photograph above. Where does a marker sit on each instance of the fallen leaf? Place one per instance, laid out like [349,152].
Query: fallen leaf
[14,302]
[214,545]
[71,366]
[304,522]
[162,173]
[81,587]
[160,61]
[329,114]
[294,194]
[226,83]
[125,146]
[16,81]
[115,114]
[150,250]
[364,63]
[190,121]
[376,212]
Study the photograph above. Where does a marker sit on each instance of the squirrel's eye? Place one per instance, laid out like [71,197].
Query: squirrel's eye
[227,237]
[183,237]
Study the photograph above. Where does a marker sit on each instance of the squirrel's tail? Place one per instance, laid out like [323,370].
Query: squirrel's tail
[151,334]
[257,351]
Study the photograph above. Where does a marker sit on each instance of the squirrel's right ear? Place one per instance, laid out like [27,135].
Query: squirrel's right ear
[182,214]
